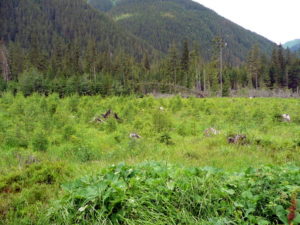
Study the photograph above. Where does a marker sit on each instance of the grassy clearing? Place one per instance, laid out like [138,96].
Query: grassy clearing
[43,133]
[61,129]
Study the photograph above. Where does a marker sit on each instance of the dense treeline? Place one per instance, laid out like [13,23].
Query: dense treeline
[94,72]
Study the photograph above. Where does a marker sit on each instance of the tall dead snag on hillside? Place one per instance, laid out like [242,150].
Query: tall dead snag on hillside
[4,62]
[254,64]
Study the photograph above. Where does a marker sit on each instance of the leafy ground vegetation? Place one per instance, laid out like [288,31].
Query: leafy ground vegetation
[57,154]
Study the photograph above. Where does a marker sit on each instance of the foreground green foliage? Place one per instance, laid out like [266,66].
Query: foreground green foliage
[48,141]
[24,193]
[162,194]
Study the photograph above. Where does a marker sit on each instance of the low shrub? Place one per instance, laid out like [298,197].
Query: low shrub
[166,139]
[161,122]
[40,141]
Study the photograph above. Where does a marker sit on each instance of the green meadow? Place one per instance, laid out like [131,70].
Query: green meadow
[63,162]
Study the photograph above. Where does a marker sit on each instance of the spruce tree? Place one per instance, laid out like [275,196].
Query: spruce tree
[4,62]
[173,64]
[146,62]
[185,63]
[185,58]
[254,64]
[273,70]
[281,66]
[91,58]
[16,59]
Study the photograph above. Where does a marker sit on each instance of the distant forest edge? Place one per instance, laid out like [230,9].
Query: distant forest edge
[67,46]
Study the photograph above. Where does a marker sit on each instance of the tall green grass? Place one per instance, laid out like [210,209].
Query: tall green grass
[39,130]
[54,128]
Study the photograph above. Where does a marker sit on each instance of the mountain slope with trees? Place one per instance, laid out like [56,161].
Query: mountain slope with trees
[162,22]
[67,47]
[47,26]
[293,45]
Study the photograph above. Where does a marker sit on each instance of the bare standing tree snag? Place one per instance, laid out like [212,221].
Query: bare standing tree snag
[4,62]
[220,44]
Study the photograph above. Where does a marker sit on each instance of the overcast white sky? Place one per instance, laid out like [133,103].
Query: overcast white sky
[277,20]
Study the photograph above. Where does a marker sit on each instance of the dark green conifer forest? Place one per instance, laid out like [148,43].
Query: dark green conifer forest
[123,47]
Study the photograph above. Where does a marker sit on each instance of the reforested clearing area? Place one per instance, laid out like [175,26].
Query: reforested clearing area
[194,154]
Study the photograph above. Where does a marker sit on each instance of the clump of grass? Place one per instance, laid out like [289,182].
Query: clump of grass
[158,193]
[23,193]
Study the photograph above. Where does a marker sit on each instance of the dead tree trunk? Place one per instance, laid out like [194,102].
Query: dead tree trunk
[4,62]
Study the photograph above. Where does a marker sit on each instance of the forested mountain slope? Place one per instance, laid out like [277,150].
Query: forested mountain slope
[294,45]
[68,46]
[162,22]
[48,24]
